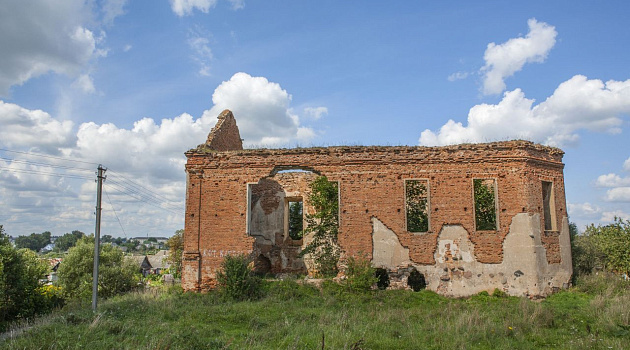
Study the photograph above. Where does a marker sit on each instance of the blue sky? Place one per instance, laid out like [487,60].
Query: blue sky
[134,84]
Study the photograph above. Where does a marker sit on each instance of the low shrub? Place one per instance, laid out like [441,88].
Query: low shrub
[361,276]
[237,280]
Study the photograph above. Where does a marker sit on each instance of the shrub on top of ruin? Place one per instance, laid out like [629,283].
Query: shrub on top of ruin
[360,275]
[323,227]
[237,280]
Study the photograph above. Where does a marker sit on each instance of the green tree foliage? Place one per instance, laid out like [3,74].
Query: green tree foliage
[608,246]
[116,274]
[68,240]
[323,226]
[176,249]
[602,247]
[296,220]
[485,207]
[34,241]
[20,290]
[237,280]
[416,206]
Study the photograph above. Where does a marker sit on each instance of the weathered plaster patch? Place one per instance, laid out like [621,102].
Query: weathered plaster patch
[388,252]
[524,270]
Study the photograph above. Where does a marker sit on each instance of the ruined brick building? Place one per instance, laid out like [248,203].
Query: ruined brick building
[466,218]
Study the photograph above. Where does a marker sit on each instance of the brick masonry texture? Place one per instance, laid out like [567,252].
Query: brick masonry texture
[371,184]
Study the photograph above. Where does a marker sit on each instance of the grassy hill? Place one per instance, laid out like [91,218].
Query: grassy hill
[292,316]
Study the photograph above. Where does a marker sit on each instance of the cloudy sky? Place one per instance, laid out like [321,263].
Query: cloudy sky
[134,84]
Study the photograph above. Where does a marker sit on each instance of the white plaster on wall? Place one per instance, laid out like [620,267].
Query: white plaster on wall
[524,270]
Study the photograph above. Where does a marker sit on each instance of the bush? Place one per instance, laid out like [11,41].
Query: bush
[116,274]
[237,280]
[20,288]
[361,276]
[602,247]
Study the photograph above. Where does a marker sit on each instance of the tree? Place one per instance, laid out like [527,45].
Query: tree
[116,274]
[20,273]
[485,208]
[606,246]
[323,226]
[68,240]
[416,206]
[34,241]
[107,239]
[176,250]
[296,220]
[613,241]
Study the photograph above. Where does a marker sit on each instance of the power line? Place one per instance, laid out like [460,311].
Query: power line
[21,161]
[137,185]
[121,190]
[48,156]
[145,195]
[142,196]
[114,210]
[37,172]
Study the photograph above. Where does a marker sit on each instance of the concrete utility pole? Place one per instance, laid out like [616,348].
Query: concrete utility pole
[97,234]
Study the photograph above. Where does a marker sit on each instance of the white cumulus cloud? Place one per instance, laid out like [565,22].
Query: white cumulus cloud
[262,110]
[618,194]
[503,60]
[186,7]
[34,129]
[609,216]
[315,112]
[577,104]
[84,83]
[612,180]
[150,153]
[40,36]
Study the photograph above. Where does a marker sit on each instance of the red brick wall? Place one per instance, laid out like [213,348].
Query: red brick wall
[371,181]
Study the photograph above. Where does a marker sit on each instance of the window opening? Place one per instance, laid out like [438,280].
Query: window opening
[417,205]
[548,206]
[485,204]
[296,218]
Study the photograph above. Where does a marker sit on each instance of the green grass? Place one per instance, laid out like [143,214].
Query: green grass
[293,316]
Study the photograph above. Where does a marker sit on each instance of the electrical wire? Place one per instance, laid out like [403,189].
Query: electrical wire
[47,156]
[37,172]
[137,185]
[143,197]
[114,210]
[22,161]
[121,190]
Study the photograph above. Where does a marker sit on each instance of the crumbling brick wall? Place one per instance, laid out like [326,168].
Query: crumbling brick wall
[371,185]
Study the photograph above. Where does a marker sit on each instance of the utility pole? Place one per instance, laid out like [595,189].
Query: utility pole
[97,234]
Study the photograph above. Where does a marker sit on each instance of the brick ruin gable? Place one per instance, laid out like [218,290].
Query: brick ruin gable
[519,257]
[225,135]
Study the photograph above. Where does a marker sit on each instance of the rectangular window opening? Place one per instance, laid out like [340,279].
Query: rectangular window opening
[549,212]
[485,204]
[417,205]
[296,218]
